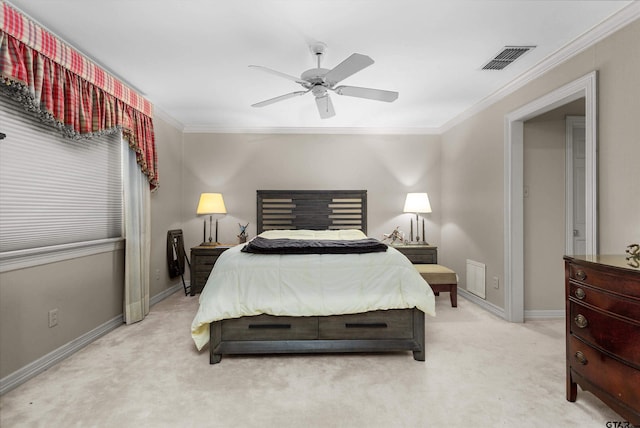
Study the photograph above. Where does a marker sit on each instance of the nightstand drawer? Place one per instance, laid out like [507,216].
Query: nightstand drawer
[419,254]
[203,258]
[206,260]
[200,279]
[202,267]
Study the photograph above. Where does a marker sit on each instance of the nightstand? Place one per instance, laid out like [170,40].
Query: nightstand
[419,254]
[203,257]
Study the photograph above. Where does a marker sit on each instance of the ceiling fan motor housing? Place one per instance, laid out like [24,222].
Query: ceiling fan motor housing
[314,75]
[319,91]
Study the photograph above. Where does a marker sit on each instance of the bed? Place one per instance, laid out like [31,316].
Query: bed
[312,303]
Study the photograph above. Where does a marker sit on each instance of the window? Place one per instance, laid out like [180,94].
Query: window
[56,193]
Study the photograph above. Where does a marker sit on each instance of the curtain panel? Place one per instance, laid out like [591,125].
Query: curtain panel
[137,231]
[69,91]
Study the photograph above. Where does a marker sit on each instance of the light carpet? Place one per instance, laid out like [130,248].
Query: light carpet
[480,371]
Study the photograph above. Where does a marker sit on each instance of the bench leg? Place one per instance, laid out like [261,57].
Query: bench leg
[453,295]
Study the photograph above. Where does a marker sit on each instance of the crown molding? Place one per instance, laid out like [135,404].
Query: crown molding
[166,117]
[589,38]
[206,129]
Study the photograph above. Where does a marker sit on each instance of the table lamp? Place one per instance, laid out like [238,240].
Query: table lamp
[210,203]
[417,203]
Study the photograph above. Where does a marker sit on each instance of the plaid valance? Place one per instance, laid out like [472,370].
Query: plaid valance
[64,87]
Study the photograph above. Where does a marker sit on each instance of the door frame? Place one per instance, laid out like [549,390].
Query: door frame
[572,122]
[586,87]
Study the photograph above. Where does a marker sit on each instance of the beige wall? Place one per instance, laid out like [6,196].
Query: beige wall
[87,293]
[387,166]
[473,160]
[166,202]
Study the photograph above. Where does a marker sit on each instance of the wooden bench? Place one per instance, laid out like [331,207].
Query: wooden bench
[440,278]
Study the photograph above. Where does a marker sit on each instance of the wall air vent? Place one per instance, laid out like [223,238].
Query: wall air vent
[506,56]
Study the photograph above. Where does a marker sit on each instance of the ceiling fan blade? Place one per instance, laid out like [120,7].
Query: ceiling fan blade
[372,94]
[280,98]
[278,73]
[346,68]
[325,107]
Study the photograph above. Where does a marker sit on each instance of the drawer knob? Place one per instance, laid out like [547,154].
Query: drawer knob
[581,358]
[581,275]
[581,321]
[580,293]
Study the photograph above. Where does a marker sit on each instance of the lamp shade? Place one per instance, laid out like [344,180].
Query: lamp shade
[417,203]
[211,203]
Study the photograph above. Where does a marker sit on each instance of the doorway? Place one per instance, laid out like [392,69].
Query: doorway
[547,156]
[514,188]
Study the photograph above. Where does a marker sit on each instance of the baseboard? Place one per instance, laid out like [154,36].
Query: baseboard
[496,310]
[166,293]
[54,357]
[36,367]
[544,314]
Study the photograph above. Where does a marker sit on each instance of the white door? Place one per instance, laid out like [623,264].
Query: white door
[576,192]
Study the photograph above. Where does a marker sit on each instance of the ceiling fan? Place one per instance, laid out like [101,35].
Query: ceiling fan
[319,81]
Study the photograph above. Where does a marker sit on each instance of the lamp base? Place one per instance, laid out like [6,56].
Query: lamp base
[209,244]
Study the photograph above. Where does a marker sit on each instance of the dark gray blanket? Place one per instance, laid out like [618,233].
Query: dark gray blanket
[262,245]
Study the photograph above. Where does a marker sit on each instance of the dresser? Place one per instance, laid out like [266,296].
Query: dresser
[603,331]
[419,254]
[203,257]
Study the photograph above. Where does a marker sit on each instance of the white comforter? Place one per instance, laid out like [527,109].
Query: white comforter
[243,284]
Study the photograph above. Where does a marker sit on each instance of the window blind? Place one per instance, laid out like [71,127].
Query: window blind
[55,190]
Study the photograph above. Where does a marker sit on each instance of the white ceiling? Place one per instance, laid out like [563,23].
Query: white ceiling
[190,57]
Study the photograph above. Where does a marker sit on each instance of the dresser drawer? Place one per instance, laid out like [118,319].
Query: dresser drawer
[269,327]
[612,303]
[616,335]
[617,379]
[390,324]
[625,285]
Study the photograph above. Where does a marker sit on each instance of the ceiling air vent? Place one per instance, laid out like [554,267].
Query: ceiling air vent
[506,56]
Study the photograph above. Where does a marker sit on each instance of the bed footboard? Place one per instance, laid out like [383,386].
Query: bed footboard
[377,331]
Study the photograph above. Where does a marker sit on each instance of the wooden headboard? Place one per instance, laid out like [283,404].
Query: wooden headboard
[312,209]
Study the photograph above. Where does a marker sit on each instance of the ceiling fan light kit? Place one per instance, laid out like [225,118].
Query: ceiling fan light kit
[320,80]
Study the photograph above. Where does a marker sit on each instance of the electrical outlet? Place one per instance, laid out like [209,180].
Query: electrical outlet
[496,282]
[158,274]
[53,318]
